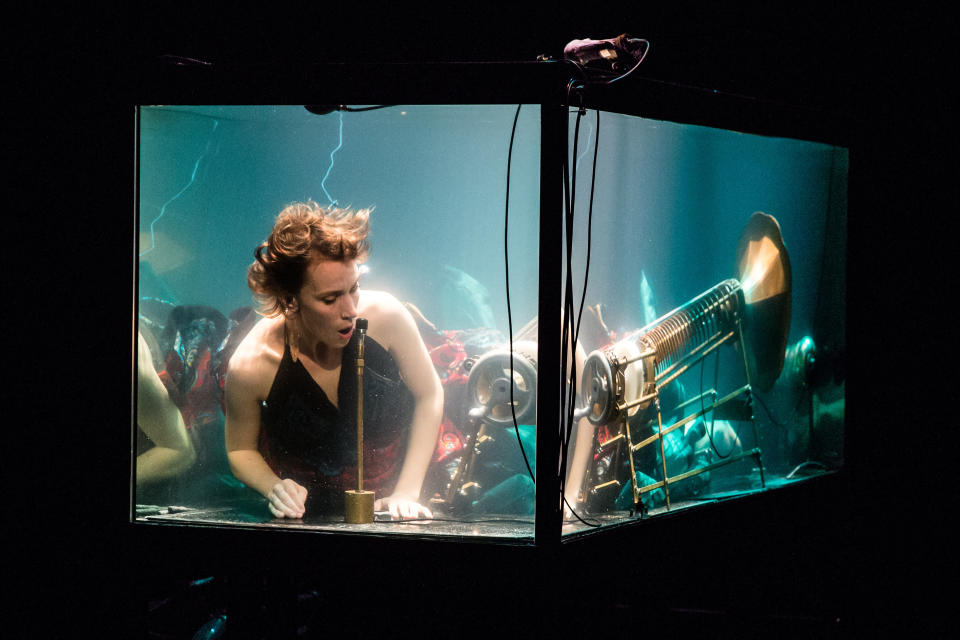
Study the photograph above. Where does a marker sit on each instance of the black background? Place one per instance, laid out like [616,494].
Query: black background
[857,554]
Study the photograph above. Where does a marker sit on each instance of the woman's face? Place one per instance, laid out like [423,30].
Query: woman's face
[328,301]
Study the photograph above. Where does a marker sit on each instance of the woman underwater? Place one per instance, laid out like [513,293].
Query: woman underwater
[290,391]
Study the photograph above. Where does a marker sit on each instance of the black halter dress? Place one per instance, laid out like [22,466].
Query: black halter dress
[304,437]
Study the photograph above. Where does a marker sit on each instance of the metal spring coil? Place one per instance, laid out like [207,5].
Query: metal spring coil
[694,323]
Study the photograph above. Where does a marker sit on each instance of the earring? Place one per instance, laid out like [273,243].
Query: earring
[291,331]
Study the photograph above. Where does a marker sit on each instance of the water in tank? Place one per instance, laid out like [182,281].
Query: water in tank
[322,310]
[326,301]
[708,281]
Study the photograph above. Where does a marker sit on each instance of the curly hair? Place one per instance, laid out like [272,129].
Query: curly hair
[304,231]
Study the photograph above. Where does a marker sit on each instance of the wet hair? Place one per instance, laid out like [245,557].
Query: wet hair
[303,232]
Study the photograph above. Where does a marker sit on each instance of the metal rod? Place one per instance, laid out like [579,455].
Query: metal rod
[694,472]
[606,484]
[633,471]
[663,457]
[360,364]
[693,416]
[646,354]
[753,421]
[708,392]
[714,465]
[610,442]
[693,352]
[634,403]
[687,362]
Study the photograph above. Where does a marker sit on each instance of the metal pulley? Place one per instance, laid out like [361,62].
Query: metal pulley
[489,387]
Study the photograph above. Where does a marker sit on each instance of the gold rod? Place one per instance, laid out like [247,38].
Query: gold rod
[641,356]
[606,484]
[714,465]
[634,403]
[360,416]
[647,488]
[694,472]
[663,457]
[633,471]
[708,392]
[693,352]
[756,434]
[687,365]
[610,442]
[693,416]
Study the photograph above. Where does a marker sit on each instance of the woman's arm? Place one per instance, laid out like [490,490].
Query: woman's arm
[407,348]
[285,498]
[161,421]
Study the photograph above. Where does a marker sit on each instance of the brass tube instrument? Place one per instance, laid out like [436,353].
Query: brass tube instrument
[752,310]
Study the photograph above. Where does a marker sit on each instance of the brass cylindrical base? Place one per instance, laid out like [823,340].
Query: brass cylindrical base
[359,507]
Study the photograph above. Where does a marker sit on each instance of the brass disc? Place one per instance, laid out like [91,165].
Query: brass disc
[763,268]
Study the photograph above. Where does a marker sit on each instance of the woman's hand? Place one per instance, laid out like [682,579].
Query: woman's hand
[287,499]
[402,507]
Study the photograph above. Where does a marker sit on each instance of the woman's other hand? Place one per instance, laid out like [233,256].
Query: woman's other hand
[402,508]
[287,499]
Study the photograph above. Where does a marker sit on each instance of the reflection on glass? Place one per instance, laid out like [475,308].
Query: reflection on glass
[164,450]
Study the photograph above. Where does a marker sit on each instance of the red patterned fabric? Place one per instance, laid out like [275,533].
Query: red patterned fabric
[448,356]
[199,404]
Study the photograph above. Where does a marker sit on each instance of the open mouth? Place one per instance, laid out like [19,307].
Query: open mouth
[346,332]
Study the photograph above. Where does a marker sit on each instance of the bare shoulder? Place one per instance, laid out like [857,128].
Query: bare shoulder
[254,363]
[389,319]
[376,305]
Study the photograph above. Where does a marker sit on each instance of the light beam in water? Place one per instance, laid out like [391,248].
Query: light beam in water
[330,168]
[193,177]
[586,147]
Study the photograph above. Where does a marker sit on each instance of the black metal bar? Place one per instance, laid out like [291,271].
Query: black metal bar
[134,368]
[553,149]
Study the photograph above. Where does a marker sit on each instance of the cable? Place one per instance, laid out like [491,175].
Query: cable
[324,109]
[569,192]
[344,107]
[506,271]
[586,277]
[770,415]
[571,328]
[585,75]
[646,50]
[713,418]
[586,273]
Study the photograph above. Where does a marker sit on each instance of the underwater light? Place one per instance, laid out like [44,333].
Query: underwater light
[760,258]
[801,358]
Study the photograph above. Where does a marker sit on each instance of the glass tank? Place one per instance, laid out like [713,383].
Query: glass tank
[394,389]
[228,406]
[708,279]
